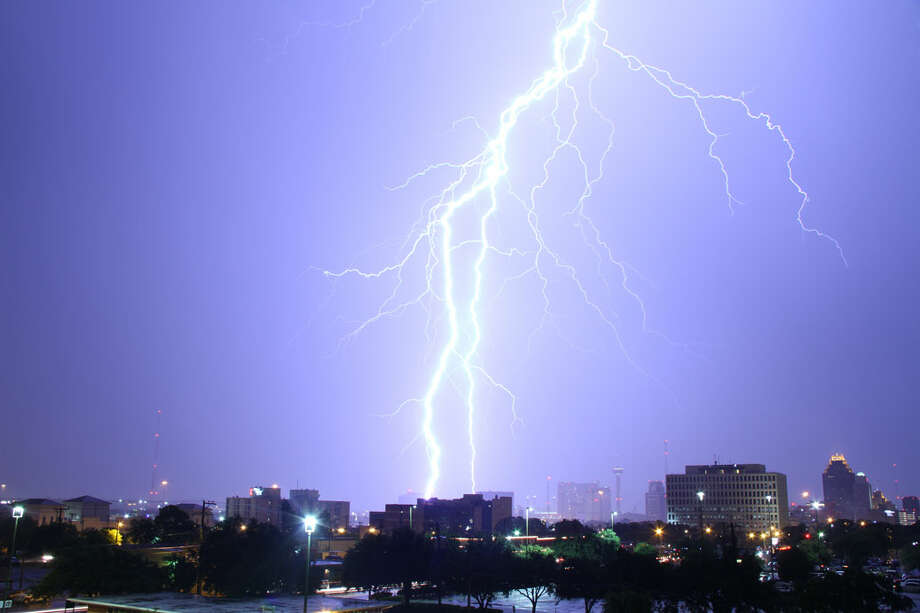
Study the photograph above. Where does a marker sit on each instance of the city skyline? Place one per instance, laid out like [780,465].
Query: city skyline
[174,191]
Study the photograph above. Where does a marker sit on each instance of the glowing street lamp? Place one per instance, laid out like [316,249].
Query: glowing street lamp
[527,522]
[701,495]
[18,512]
[309,525]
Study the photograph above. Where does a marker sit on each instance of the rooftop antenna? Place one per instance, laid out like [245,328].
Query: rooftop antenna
[154,482]
[666,454]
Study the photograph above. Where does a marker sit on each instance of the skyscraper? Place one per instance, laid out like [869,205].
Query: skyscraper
[656,507]
[847,495]
[583,501]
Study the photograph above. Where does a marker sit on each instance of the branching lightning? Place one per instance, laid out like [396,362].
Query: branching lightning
[484,178]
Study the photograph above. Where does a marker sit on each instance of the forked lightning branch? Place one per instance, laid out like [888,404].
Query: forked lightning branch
[481,183]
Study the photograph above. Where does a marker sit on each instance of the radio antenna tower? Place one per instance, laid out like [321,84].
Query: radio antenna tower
[666,454]
[154,481]
[618,472]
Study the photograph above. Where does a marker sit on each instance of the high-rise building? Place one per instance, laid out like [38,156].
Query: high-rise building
[656,506]
[263,505]
[847,495]
[586,502]
[720,495]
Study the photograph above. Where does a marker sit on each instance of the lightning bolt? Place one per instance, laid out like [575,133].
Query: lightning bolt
[485,177]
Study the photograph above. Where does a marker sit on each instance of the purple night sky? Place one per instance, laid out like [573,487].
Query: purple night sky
[175,177]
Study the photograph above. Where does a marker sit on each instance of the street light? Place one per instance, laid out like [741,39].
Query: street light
[18,512]
[527,522]
[701,494]
[118,537]
[309,525]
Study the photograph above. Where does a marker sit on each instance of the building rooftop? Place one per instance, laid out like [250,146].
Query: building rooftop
[171,602]
[92,499]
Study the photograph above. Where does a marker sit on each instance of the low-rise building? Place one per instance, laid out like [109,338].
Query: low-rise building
[87,512]
[43,511]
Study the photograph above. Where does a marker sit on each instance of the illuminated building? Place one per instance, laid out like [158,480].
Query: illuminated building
[586,502]
[847,495]
[262,505]
[716,496]
[656,506]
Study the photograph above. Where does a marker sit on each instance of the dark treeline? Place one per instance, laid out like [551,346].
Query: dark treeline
[595,568]
[620,571]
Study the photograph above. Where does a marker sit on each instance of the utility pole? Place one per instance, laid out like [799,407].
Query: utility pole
[204,508]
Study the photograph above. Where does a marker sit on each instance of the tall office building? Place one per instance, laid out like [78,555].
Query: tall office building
[720,495]
[656,507]
[586,502]
[847,495]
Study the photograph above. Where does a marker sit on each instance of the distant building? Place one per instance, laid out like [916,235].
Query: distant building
[472,514]
[43,511]
[743,495]
[847,495]
[467,516]
[263,505]
[88,513]
[911,504]
[194,513]
[656,506]
[586,502]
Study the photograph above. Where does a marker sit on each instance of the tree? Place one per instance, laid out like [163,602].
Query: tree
[910,557]
[533,573]
[399,558]
[365,564]
[816,550]
[173,525]
[480,571]
[644,549]
[100,569]
[583,578]
[142,531]
[53,538]
[571,528]
[238,561]
[794,565]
